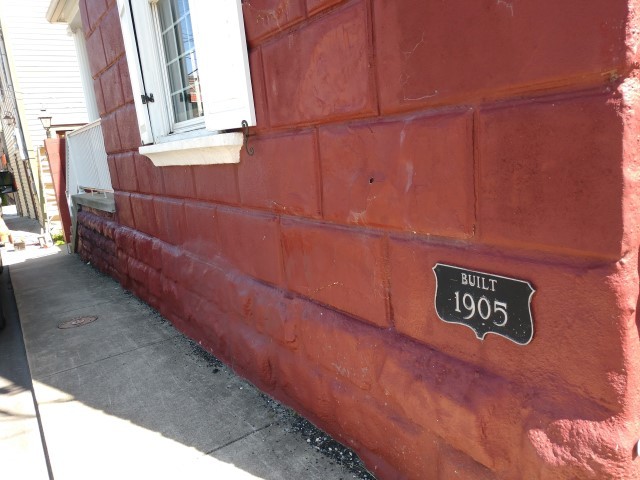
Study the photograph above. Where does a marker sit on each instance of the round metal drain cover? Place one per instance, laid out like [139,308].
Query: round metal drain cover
[77,322]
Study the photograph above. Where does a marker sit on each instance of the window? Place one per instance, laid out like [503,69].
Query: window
[180,60]
[189,71]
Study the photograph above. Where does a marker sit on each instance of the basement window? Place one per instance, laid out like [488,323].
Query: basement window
[190,77]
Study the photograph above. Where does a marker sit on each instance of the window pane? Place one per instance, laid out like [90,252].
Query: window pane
[170,45]
[180,59]
[187,104]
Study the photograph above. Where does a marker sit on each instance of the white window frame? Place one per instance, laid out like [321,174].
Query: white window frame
[225,82]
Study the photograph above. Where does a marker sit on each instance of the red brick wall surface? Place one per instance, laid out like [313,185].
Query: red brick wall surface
[499,136]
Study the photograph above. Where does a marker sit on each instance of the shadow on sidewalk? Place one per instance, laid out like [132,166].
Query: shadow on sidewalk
[24,226]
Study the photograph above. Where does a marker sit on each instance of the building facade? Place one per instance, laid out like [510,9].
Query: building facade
[39,72]
[432,252]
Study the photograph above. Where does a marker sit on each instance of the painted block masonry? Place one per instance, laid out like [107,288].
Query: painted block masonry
[498,136]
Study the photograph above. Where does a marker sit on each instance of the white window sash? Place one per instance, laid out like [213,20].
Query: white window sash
[151,61]
[135,72]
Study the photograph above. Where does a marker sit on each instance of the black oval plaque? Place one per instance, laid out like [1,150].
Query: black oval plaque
[484,302]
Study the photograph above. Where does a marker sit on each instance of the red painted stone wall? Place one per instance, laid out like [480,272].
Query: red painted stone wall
[96,239]
[500,136]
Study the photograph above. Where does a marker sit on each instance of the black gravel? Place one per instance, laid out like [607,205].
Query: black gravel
[319,440]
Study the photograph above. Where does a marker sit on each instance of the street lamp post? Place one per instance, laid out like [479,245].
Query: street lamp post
[45,119]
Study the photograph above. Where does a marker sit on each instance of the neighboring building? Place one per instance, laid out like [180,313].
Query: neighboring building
[14,148]
[40,72]
[493,144]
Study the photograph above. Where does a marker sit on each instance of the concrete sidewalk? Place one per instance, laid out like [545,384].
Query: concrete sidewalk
[127,396]
[22,453]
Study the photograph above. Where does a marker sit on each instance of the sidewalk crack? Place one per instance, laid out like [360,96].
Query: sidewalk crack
[231,442]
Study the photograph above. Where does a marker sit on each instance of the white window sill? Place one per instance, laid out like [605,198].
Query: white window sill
[202,150]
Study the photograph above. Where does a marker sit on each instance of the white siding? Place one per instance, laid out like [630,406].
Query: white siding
[44,67]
